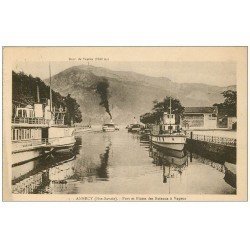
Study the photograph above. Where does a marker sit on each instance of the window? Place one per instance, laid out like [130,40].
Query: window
[19,134]
[19,114]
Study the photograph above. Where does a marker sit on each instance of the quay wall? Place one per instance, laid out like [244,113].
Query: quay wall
[216,152]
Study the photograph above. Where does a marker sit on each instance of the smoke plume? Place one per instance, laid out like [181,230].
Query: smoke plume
[102,90]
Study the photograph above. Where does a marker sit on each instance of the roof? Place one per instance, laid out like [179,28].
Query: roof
[200,110]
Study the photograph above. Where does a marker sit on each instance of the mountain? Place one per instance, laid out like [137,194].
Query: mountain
[131,94]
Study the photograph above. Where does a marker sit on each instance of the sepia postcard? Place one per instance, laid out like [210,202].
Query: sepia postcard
[125,124]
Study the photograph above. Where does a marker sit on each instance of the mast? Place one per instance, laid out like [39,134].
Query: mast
[170,102]
[170,105]
[50,90]
[37,93]
[170,112]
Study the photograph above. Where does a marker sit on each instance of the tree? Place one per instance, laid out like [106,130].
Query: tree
[229,106]
[148,118]
[24,92]
[160,107]
[73,112]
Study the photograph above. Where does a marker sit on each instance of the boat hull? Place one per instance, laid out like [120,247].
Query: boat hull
[174,146]
[24,156]
[61,138]
[134,130]
[62,145]
[171,142]
[170,152]
[82,130]
[108,129]
[63,148]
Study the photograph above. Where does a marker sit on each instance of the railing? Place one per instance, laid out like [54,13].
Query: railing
[29,120]
[59,122]
[214,139]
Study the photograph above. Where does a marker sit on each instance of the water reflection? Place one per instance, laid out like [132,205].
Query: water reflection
[144,139]
[88,167]
[173,162]
[50,169]
[122,163]
[215,164]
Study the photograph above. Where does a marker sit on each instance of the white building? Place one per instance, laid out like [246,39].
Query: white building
[199,118]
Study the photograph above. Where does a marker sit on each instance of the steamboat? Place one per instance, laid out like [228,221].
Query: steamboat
[168,134]
[37,129]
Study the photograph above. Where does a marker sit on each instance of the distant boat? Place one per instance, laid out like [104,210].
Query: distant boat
[144,131]
[134,128]
[144,134]
[116,127]
[108,127]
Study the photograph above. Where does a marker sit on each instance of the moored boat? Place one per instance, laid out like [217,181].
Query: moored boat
[176,142]
[144,131]
[134,128]
[117,127]
[38,128]
[168,134]
[27,130]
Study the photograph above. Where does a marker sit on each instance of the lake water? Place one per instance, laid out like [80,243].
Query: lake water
[124,163]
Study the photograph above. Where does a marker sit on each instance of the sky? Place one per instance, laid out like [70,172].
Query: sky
[212,73]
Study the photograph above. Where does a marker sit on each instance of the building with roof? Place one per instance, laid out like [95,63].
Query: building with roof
[199,118]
